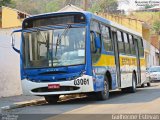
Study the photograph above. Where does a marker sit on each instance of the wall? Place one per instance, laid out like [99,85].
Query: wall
[155,40]
[146,33]
[153,57]
[10,83]
[10,18]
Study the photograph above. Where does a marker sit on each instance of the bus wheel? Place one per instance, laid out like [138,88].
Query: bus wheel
[142,85]
[103,95]
[148,84]
[132,89]
[52,99]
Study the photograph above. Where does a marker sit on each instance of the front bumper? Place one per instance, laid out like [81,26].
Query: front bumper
[154,79]
[82,84]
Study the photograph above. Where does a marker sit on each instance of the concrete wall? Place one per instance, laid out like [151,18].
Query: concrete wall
[153,57]
[10,83]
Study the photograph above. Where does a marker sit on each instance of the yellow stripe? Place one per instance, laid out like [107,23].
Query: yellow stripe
[109,60]
[106,60]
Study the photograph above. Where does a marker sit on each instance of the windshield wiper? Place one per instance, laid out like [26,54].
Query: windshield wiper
[58,42]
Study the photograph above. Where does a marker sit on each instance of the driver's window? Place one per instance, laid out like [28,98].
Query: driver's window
[95,32]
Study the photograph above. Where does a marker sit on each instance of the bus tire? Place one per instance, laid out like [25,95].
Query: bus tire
[142,85]
[103,95]
[52,99]
[148,84]
[132,89]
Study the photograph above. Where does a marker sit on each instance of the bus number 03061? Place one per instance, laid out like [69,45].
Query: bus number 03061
[81,81]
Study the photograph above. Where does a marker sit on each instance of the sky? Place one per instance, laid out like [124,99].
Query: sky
[127,5]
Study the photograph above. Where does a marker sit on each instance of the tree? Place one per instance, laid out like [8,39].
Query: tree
[148,6]
[6,2]
[52,6]
[156,27]
[104,6]
[41,6]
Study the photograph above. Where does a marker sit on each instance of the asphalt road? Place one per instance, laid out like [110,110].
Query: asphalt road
[144,101]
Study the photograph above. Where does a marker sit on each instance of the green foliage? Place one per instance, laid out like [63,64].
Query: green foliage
[52,6]
[41,6]
[104,6]
[156,26]
[95,8]
[6,2]
[148,6]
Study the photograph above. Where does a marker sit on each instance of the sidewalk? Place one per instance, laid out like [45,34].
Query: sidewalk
[6,101]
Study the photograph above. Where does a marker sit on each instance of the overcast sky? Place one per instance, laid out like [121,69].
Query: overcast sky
[127,5]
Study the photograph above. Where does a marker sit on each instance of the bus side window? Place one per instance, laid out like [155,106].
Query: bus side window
[120,42]
[132,45]
[96,52]
[126,43]
[140,47]
[93,46]
[106,37]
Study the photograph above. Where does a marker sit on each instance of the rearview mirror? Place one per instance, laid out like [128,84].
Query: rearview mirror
[96,40]
[13,40]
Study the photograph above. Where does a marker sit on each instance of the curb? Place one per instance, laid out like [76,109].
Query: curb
[37,102]
[23,104]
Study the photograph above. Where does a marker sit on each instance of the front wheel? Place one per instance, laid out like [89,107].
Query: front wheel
[148,84]
[52,99]
[103,95]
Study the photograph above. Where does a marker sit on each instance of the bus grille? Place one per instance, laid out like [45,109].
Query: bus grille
[62,88]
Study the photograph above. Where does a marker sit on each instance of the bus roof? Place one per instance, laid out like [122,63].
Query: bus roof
[91,16]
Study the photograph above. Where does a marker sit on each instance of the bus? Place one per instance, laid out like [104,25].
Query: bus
[65,53]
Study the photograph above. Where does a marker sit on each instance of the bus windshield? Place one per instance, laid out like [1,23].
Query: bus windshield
[53,48]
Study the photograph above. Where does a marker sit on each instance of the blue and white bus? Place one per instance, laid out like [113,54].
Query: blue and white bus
[78,52]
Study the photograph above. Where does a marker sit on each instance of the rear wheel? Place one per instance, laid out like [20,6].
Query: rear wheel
[103,95]
[142,85]
[52,99]
[148,84]
[132,89]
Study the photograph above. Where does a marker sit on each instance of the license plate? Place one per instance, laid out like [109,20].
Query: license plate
[53,86]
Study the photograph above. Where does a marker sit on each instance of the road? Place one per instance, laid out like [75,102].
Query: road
[145,100]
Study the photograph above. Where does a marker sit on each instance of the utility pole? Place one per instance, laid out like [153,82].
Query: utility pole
[85,4]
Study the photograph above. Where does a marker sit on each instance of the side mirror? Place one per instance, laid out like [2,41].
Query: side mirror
[13,40]
[96,40]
